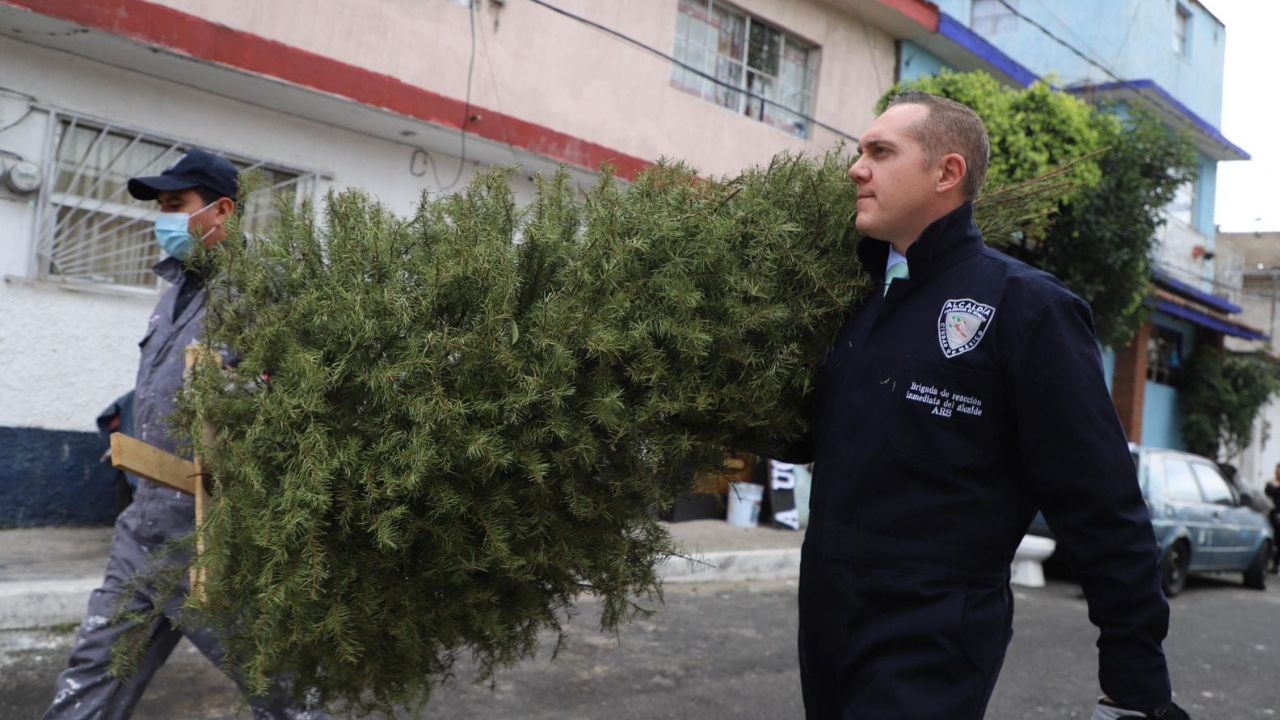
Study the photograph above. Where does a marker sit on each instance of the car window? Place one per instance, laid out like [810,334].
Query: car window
[1212,486]
[1179,483]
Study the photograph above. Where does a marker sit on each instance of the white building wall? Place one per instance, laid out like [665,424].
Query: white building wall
[1257,462]
[64,355]
[1177,254]
[1258,257]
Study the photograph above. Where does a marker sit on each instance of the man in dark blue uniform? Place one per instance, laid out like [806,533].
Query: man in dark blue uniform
[951,407]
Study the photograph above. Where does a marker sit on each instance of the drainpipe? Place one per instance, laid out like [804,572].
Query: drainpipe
[1275,282]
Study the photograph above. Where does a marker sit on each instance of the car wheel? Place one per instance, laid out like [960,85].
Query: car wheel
[1173,573]
[1256,576]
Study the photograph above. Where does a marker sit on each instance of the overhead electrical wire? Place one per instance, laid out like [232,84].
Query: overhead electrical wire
[1110,73]
[1074,50]
[1193,275]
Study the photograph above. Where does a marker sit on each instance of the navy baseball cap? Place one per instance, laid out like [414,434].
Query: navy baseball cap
[196,169]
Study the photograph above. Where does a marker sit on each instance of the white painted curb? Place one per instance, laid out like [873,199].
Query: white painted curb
[730,566]
[42,603]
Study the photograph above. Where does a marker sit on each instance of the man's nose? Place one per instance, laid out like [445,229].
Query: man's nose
[858,172]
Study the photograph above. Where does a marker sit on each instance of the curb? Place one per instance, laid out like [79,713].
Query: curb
[778,564]
[44,603]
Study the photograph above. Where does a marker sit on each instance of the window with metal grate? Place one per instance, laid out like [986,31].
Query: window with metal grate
[90,230]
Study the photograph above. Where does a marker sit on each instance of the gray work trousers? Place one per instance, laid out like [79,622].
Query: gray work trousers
[85,690]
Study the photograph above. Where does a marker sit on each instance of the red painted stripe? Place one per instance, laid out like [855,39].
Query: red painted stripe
[923,13]
[188,35]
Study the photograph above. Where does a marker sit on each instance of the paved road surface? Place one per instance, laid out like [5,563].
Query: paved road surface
[728,650]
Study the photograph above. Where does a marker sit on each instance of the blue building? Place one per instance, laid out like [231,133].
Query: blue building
[1167,56]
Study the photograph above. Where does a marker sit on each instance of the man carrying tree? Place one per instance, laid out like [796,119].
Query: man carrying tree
[197,197]
[955,402]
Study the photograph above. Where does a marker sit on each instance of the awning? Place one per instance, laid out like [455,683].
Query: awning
[1206,137]
[1205,320]
[1192,293]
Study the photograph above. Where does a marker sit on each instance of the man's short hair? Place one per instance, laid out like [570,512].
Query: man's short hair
[207,196]
[951,127]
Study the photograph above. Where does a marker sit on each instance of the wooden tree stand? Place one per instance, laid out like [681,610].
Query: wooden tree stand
[150,462]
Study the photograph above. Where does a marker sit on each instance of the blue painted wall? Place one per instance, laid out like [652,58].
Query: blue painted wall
[1162,418]
[914,62]
[1134,39]
[52,477]
[1161,412]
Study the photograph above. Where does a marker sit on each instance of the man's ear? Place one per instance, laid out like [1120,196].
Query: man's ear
[954,169]
[225,207]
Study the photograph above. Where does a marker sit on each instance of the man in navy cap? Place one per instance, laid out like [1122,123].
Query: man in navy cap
[197,196]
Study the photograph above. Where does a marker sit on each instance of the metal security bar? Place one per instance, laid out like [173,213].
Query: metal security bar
[89,229]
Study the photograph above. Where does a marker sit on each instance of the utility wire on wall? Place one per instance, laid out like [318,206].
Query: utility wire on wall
[697,71]
[1193,275]
[1074,50]
[466,116]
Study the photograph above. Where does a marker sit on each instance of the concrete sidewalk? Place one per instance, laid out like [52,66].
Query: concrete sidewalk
[46,574]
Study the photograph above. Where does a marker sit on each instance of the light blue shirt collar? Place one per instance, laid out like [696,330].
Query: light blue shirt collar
[894,259]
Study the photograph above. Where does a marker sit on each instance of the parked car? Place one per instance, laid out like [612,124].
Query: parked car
[1200,523]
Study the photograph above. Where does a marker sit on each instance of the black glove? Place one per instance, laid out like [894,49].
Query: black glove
[1107,710]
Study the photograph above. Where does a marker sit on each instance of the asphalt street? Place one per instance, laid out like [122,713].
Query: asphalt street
[728,651]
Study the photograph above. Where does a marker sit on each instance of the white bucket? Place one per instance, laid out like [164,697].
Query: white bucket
[744,504]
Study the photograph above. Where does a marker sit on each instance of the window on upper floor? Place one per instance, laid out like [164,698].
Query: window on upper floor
[991,17]
[89,229]
[1181,29]
[759,70]
[1183,206]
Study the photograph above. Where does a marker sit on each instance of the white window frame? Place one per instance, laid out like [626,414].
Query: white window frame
[1182,30]
[736,98]
[60,255]
[992,17]
[1184,207]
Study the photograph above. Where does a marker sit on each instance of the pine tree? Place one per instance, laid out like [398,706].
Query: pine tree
[443,429]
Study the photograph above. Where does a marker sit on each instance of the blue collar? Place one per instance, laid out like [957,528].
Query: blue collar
[169,269]
[948,240]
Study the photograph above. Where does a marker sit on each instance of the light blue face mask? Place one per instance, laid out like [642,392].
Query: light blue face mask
[174,234]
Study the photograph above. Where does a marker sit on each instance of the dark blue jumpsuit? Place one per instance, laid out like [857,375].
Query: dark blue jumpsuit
[945,414]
